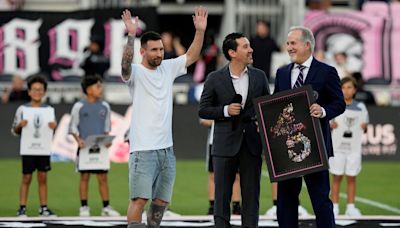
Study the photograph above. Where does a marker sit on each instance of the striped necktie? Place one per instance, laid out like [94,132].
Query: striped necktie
[300,79]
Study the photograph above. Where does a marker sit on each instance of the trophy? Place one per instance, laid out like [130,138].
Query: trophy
[349,121]
[95,149]
[37,123]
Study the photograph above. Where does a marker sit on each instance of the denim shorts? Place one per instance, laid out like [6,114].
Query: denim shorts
[152,174]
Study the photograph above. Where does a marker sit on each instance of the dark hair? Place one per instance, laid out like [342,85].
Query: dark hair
[37,79]
[149,36]
[230,43]
[264,22]
[89,80]
[348,79]
[357,76]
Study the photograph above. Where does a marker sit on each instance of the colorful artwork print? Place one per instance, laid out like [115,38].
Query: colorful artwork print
[286,126]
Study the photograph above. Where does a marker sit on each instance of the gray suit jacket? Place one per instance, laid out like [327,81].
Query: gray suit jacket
[219,91]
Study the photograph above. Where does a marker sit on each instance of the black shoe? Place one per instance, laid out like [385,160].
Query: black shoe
[236,210]
[21,213]
[46,212]
[210,211]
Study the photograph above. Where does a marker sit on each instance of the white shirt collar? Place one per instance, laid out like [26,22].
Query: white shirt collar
[238,76]
[307,63]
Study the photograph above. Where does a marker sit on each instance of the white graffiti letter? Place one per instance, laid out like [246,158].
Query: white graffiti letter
[20,47]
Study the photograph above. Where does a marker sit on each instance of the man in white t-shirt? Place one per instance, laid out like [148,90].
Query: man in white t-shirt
[152,164]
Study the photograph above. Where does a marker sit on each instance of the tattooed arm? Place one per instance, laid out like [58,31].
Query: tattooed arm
[127,57]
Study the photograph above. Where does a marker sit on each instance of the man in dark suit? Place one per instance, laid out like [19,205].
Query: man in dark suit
[227,99]
[325,82]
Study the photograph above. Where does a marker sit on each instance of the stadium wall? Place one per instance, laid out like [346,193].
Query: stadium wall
[379,143]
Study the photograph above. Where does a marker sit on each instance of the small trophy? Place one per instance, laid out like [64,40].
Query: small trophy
[95,149]
[349,121]
[37,123]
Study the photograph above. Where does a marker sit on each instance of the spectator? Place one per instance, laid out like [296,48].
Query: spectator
[211,58]
[172,45]
[95,62]
[7,5]
[341,64]
[17,91]
[263,47]
[363,95]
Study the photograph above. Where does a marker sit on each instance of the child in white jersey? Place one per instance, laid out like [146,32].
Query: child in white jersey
[347,131]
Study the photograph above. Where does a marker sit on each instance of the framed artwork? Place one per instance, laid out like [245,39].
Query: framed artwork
[292,140]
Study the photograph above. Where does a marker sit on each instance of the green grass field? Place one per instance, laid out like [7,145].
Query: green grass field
[378,181]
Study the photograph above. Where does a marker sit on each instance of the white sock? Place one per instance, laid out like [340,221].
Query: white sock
[350,206]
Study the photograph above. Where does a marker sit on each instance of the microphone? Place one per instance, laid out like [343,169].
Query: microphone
[235,119]
[237,99]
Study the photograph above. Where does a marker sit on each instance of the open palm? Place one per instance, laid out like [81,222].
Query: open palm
[200,18]
[130,25]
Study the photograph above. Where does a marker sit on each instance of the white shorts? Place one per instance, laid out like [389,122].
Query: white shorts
[348,164]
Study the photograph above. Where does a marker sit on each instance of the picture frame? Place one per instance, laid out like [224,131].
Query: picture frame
[292,139]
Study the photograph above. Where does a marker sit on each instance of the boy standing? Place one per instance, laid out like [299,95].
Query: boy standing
[347,134]
[37,87]
[91,116]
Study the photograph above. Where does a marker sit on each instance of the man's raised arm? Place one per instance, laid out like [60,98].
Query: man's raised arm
[127,57]
[200,23]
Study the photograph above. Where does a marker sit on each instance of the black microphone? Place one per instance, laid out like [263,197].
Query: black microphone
[237,99]
[235,119]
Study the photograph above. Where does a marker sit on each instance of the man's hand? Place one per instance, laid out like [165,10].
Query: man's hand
[234,109]
[52,125]
[130,25]
[200,18]
[316,110]
[333,124]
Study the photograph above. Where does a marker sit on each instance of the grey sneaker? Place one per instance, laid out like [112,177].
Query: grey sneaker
[21,213]
[46,212]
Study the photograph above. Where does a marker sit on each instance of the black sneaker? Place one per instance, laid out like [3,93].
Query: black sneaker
[210,211]
[21,213]
[46,212]
[236,210]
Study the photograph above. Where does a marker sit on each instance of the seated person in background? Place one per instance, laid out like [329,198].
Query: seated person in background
[365,96]
[17,91]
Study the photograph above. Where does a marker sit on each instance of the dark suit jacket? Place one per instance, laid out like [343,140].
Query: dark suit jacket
[325,81]
[219,91]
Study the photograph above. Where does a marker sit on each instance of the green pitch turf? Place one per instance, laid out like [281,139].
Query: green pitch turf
[378,181]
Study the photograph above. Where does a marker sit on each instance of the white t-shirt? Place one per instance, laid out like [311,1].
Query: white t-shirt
[151,91]
[347,136]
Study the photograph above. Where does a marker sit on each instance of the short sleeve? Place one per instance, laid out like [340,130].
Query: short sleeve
[74,122]
[177,66]
[107,124]
[17,118]
[364,112]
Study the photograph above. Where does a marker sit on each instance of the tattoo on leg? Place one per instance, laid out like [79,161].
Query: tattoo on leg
[154,216]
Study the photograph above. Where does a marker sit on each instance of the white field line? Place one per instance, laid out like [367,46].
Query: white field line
[359,199]
[373,203]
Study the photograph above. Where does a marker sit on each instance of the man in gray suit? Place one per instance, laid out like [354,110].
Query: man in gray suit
[227,99]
